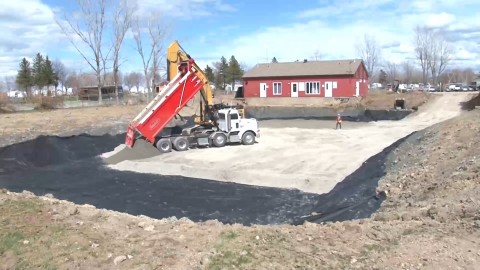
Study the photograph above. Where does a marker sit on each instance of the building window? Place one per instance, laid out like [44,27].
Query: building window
[277,88]
[312,88]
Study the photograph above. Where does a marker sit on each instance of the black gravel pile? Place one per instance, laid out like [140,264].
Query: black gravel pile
[69,168]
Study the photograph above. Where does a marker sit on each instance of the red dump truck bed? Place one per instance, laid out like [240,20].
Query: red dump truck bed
[161,110]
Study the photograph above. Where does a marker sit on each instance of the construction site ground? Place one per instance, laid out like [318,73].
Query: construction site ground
[376,100]
[429,220]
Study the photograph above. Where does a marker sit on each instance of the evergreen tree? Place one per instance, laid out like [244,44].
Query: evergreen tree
[38,71]
[221,75]
[48,74]
[235,72]
[209,74]
[274,60]
[24,76]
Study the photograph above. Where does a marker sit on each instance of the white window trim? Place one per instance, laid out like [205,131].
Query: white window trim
[273,88]
[319,88]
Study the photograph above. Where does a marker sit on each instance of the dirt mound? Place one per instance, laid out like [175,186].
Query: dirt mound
[140,150]
[54,150]
[470,105]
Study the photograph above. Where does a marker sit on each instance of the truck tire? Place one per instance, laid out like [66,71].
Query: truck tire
[164,145]
[248,138]
[219,140]
[181,144]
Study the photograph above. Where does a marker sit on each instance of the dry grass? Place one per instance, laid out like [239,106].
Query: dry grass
[5,104]
[48,103]
[385,100]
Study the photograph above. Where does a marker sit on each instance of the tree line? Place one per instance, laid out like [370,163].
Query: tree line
[224,72]
[39,74]
[432,55]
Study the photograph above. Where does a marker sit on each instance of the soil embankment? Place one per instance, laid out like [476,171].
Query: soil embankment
[349,114]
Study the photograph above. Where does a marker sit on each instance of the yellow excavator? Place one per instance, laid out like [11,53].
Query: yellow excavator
[176,55]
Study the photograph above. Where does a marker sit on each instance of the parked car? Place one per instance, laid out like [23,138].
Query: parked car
[455,87]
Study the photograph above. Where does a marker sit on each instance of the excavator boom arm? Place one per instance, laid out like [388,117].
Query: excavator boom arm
[175,56]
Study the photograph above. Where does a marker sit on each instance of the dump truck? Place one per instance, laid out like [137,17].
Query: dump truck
[216,126]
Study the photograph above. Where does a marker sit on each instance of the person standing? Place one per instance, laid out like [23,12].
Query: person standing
[339,122]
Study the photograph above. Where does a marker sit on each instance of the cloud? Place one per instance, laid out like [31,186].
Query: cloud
[185,9]
[28,27]
[343,8]
[334,29]
[440,20]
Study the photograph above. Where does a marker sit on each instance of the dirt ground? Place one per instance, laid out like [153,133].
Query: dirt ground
[376,99]
[272,161]
[430,220]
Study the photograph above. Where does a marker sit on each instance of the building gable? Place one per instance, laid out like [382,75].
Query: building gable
[306,68]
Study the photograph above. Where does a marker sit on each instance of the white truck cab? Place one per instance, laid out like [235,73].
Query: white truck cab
[233,128]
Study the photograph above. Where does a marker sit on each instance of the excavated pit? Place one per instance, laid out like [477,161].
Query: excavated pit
[70,168]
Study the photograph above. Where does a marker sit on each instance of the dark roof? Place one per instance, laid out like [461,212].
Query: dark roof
[309,68]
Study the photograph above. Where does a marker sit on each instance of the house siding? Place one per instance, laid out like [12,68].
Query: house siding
[362,77]
[345,85]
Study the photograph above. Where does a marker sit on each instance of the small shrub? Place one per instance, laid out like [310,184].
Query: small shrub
[5,104]
[3,99]
[48,103]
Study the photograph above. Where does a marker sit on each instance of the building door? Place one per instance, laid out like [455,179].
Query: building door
[263,90]
[328,89]
[294,89]
[357,89]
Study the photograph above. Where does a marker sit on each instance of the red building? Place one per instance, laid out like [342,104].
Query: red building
[338,78]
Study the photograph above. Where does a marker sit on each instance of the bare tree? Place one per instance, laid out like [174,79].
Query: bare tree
[111,78]
[3,86]
[316,55]
[440,55]
[73,82]
[408,70]
[133,79]
[61,73]
[88,25]
[129,81]
[433,51]
[87,79]
[10,83]
[149,45]
[370,52]
[392,71]
[122,22]
[158,34]
[422,49]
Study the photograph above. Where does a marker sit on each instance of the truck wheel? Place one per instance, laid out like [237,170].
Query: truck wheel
[248,138]
[181,144]
[219,140]
[164,145]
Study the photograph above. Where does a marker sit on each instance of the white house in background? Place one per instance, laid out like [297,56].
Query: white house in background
[140,90]
[70,91]
[15,94]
